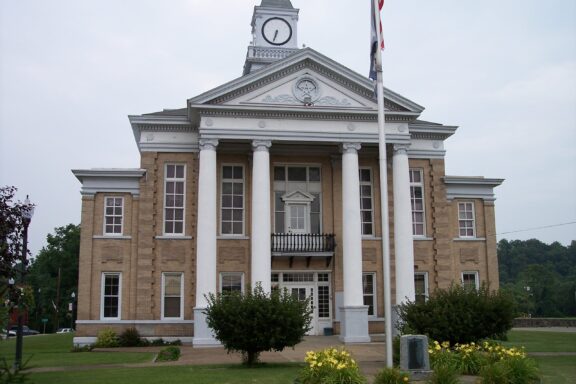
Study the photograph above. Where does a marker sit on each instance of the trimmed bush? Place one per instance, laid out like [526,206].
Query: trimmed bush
[171,353]
[255,321]
[130,338]
[107,338]
[459,315]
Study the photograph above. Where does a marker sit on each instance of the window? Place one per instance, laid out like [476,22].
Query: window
[174,199]
[297,178]
[231,282]
[172,295]
[323,301]
[421,285]
[113,207]
[369,287]
[232,203]
[111,295]
[366,206]
[470,279]
[466,219]
[417,200]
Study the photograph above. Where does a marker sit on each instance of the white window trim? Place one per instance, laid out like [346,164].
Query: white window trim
[183,202]
[473,220]
[421,185]
[374,293]
[181,317]
[222,274]
[103,278]
[476,278]
[426,287]
[229,235]
[121,234]
[371,183]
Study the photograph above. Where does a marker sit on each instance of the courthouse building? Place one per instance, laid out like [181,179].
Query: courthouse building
[273,178]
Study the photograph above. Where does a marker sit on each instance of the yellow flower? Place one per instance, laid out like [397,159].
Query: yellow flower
[405,379]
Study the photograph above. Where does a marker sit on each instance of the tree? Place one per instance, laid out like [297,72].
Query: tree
[255,321]
[58,257]
[11,232]
[540,277]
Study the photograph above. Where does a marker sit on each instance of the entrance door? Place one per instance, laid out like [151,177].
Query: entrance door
[297,218]
[302,293]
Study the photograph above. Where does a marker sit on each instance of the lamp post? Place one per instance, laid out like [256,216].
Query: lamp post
[72,302]
[27,213]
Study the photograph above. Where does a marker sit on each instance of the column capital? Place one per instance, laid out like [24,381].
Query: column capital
[401,149]
[208,144]
[261,145]
[350,147]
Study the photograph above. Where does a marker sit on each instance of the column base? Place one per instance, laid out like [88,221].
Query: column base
[203,336]
[354,324]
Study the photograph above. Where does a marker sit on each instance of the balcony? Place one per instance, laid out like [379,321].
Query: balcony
[308,245]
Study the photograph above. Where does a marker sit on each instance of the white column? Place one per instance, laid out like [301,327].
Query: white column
[403,239]
[261,228]
[205,240]
[354,319]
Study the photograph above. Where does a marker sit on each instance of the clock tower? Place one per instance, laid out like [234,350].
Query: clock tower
[274,34]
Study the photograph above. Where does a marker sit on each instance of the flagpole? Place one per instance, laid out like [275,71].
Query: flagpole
[383,190]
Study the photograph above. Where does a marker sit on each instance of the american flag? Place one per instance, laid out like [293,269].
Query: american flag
[374,37]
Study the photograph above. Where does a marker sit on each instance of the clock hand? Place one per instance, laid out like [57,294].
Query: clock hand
[275,35]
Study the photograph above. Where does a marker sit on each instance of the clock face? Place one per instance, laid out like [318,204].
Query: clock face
[276,31]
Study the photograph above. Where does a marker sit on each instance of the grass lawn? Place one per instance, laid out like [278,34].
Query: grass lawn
[54,351]
[536,341]
[557,369]
[223,374]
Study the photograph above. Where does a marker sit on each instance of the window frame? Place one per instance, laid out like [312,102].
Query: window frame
[221,203]
[466,220]
[163,296]
[174,179]
[104,224]
[103,296]
[221,278]
[374,293]
[318,195]
[371,185]
[476,278]
[426,286]
[413,185]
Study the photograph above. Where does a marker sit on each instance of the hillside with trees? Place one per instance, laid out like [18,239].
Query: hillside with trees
[541,277]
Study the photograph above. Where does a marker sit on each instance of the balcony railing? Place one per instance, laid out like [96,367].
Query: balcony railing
[302,242]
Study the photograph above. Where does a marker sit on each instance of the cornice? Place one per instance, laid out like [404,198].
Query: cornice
[117,180]
[431,131]
[473,180]
[300,113]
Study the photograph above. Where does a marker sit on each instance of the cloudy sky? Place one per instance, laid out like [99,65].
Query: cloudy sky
[504,71]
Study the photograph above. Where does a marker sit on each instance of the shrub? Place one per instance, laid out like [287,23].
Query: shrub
[10,375]
[171,353]
[107,338]
[330,366]
[84,348]
[391,376]
[444,375]
[130,338]
[256,321]
[460,315]
[521,370]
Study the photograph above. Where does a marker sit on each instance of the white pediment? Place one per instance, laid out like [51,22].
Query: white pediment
[286,83]
[297,197]
[304,88]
